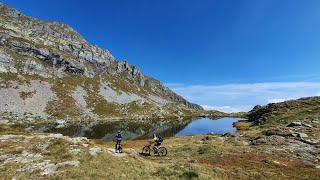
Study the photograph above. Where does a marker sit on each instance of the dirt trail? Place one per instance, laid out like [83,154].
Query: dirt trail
[113,153]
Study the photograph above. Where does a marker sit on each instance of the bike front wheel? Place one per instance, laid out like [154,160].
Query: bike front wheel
[162,151]
[146,150]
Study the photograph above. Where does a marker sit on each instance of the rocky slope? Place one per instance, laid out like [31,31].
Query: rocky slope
[286,112]
[48,71]
[289,128]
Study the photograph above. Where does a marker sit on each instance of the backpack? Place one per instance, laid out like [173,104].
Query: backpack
[119,136]
[160,139]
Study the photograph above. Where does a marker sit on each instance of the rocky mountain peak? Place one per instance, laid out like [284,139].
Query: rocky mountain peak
[60,45]
[8,11]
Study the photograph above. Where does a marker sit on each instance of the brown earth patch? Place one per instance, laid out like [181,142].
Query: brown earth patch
[260,166]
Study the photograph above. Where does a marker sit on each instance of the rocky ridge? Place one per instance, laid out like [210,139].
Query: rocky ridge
[82,78]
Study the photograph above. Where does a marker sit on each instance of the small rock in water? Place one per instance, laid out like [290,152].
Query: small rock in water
[60,124]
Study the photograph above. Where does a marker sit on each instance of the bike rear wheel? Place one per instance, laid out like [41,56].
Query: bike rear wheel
[120,148]
[162,151]
[146,150]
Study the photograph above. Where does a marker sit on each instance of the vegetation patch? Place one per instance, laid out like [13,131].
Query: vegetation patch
[242,125]
[203,150]
[190,174]
[25,95]
[15,129]
[246,166]
[58,151]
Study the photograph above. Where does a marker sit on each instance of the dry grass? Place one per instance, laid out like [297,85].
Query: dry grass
[15,129]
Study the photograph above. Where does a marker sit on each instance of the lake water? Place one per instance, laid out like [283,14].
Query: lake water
[206,126]
[141,130]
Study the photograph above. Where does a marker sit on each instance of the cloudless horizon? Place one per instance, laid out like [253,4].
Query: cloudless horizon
[224,55]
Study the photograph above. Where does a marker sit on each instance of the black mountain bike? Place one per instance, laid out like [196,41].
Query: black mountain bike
[161,151]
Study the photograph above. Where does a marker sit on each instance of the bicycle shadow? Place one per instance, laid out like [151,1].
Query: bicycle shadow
[144,154]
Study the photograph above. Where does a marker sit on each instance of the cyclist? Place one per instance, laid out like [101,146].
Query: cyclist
[118,139]
[157,142]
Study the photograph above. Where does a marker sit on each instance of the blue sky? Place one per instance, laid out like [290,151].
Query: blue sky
[228,55]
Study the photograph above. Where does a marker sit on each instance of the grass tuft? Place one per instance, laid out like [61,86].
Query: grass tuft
[203,150]
[190,174]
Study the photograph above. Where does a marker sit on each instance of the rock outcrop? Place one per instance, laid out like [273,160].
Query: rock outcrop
[285,112]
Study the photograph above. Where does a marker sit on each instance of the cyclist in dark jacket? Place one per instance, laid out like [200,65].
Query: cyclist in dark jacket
[118,139]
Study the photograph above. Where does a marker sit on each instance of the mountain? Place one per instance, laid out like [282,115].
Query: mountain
[48,71]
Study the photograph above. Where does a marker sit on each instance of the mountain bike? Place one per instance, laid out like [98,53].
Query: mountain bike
[161,151]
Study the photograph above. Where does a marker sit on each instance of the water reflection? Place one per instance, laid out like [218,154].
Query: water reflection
[141,129]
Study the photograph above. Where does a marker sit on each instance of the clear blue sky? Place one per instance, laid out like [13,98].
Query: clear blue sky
[189,44]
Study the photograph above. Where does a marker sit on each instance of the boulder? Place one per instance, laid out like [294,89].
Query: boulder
[293,124]
[69,163]
[49,169]
[95,150]
[56,136]
[316,121]
[75,151]
[307,125]
[302,135]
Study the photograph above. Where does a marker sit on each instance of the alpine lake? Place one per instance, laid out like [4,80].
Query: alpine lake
[141,129]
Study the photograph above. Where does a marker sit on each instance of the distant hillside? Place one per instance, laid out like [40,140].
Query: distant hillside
[48,71]
[286,112]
